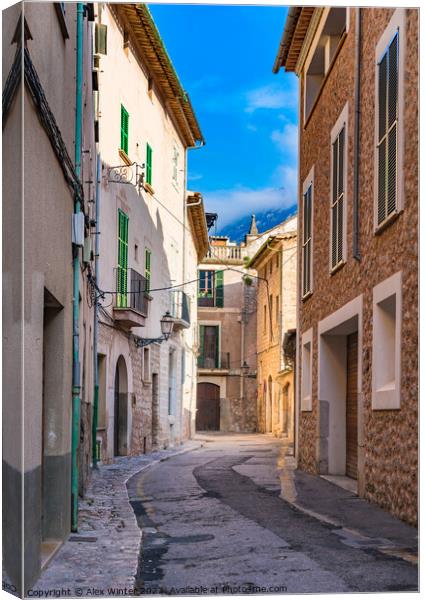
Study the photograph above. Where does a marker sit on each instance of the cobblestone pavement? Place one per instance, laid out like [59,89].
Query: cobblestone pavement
[104,552]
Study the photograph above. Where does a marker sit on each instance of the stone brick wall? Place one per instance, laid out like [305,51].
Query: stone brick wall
[276,312]
[390,436]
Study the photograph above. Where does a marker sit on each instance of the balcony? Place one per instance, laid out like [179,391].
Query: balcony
[229,254]
[180,309]
[220,361]
[131,300]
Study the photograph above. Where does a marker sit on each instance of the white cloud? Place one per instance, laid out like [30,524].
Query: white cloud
[273,96]
[194,177]
[233,203]
[286,139]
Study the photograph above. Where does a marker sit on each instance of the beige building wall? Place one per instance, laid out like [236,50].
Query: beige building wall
[275,263]
[39,339]
[158,223]
[236,321]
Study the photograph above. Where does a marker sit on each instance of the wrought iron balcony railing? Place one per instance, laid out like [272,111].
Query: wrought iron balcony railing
[131,291]
[220,361]
[180,306]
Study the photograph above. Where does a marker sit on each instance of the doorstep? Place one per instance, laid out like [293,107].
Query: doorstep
[342,481]
[48,551]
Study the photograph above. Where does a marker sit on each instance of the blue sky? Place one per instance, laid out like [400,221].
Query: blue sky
[224,57]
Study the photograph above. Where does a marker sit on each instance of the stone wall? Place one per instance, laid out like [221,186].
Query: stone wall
[390,436]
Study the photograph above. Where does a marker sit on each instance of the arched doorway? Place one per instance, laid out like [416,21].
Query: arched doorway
[120,408]
[208,407]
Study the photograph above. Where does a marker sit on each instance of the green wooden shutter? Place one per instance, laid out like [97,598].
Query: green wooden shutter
[122,259]
[100,38]
[201,357]
[219,289]
[217,347]
[124,129]
[148,164]
[148,273]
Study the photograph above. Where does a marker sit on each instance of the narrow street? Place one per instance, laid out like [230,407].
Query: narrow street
[213,521]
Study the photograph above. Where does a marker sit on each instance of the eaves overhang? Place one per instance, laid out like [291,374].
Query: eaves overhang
[155,55]
[198,224]
[297,25]
[269,247]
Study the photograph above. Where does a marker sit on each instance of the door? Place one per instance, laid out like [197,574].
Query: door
[208,407]
[116,411]
[351,412]
[209,338]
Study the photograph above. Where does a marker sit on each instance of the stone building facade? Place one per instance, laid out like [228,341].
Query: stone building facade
[148,247]
[275,263]
[357,353]
[39,94]
[227,316]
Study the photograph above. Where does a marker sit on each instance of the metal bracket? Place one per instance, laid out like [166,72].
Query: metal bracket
[142,342]
[130,174]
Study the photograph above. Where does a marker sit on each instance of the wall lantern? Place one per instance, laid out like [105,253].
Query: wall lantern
[167,323]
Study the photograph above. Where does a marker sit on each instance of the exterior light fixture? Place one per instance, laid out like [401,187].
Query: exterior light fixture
[245,368]
[167,323]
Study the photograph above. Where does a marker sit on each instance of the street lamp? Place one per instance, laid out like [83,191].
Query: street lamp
[166,323]
[245,368]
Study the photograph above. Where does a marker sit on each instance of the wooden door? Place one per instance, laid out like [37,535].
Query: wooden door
[208,407]
[351,415]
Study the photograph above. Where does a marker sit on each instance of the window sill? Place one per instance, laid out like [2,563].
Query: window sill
[386,398]
[124,157]
[337,267]
[388,221]
[148,188]
[307,295]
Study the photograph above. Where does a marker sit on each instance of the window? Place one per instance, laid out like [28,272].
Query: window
[209,336]
[100,38]
[148,274]
[307,240]
[265,318]
[338,190]
[277,310]
[277,260]
[146,371]
[388,120]
[211,288]
[321,58]
[271,313]
[124,130]
[148,164]
[306,370]
[386,347]
[122,259]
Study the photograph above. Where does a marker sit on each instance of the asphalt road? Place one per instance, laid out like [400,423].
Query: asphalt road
[213,522]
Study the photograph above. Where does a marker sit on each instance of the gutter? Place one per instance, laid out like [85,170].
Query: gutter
[76,277]
[96,317]
[291,20]
[358,38]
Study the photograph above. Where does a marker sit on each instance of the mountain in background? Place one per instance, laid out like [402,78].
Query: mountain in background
[265,220]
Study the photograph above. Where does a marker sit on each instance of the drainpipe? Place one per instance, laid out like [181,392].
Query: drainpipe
[76,286]
[96,317]
[358,36]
